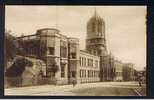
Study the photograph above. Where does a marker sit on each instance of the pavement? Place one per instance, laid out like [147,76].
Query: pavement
[111,88]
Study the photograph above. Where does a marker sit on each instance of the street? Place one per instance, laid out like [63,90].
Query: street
[87,89]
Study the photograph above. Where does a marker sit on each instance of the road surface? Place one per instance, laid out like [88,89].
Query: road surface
[87,89]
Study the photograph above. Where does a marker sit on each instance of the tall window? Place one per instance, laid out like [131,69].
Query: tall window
[80,73]
[90,62]
[85,62]
[80,61]
[73,74]
[96,63]
[63,49]
[73,51]
[62,70]
[88,73]
[84,73]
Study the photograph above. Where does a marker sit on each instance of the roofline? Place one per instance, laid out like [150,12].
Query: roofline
[84,51]
[48,29]
[25,36]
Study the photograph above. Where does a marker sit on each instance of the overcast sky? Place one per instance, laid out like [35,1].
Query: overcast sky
[125,26]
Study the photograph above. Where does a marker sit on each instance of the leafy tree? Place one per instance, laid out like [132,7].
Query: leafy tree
[18,67]
[9,47]
[31,47]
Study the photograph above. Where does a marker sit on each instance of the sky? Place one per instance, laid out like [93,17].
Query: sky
[125,26]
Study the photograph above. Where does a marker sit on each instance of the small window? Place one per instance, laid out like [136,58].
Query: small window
[73,74]
[73,55]
[51,50]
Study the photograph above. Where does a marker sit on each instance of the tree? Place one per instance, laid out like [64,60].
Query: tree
[9,47]
[14,72]
[31,47]
[18,67]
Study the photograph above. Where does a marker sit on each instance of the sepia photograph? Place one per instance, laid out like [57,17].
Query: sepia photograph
[75,50]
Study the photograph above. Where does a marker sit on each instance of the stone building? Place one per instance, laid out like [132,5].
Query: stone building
[56,53]
[128,72]
[89,67]
[74,53]
[52,48]
[118,70]
[62,54]
[111,68]
[96,44]
[65,61]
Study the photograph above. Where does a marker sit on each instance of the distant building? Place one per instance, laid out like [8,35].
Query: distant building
[128,72]
[141,75]
[118,70]
[111,67]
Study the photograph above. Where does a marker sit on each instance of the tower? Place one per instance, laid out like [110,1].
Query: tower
[95,41]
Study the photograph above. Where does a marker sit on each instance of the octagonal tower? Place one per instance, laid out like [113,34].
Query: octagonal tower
[95,41]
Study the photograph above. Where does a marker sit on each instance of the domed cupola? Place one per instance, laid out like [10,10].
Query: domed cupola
[95,26]
[95,40]
[95,17]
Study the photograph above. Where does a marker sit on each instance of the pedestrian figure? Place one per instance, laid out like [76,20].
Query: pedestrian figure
[55,81]
[74,82]
[140,81]
[33,80]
